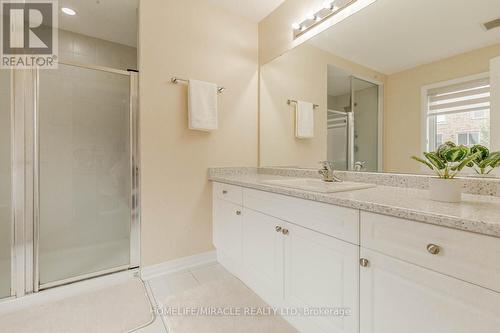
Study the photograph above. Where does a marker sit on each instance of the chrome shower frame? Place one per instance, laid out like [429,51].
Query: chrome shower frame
[25,273]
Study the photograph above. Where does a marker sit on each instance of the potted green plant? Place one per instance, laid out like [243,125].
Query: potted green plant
[447,162]
[486,162]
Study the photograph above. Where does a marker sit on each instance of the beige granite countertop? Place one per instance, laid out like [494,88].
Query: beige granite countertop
[476,213]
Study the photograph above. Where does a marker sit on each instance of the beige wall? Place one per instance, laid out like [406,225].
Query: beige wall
[275,31]
[402,117]
[299,74]
[191,39]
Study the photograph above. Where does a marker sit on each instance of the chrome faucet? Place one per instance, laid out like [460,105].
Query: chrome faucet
[327,172]
[360,166]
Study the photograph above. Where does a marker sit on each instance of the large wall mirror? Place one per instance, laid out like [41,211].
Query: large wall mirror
[391,81]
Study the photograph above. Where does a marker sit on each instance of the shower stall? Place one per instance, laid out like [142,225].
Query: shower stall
[69,176]
[354,129]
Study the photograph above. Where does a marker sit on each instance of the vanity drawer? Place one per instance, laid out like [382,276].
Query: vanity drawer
[335,221]
[228,192]
[467,256]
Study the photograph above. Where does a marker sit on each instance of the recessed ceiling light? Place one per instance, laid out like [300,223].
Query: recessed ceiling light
[68,11]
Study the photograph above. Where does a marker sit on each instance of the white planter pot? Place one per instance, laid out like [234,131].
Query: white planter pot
[445,190]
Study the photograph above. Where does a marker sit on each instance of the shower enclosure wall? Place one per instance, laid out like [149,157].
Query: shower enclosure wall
[69,175]
[6,220]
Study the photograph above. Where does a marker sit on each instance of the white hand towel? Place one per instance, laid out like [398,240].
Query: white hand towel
[304,120]
[202,105]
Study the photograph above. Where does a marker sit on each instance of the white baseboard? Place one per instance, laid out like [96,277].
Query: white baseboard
[177,265]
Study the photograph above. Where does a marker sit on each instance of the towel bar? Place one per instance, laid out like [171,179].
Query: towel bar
[290,101]
[177,80]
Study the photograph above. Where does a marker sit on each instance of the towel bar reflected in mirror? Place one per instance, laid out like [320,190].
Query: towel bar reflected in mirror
[290,101]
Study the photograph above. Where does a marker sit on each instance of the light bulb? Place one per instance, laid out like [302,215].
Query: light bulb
[68,11]
[328,5]
[296,26]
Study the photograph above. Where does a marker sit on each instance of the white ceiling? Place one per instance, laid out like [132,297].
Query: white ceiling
[255,10]
[113,20]
[394,35]
[116,20]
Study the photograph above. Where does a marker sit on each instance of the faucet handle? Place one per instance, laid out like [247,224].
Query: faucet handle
[359,165]
[327,164]
[328,172]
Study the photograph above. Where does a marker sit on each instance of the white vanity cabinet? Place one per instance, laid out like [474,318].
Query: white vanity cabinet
[394,275]
[321,272]
[227,224]
[227,227]
[291,257]
[418,278]
[262,255]
[295,267]
[397,296]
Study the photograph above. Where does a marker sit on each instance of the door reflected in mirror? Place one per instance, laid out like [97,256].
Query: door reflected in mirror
[352,121]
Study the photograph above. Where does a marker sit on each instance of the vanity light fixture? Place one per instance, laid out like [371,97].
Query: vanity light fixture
[492,24]
[68,11]
[330,5]
[329,9]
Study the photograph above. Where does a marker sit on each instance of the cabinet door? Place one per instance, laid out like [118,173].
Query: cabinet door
[227,228]
[321,272]
[400,297]
[263,255]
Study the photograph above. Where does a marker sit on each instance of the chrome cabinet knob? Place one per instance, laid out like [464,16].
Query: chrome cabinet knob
[433,249]
[238,212]
[278,228]
[224,192]
[285,232]
[364,262]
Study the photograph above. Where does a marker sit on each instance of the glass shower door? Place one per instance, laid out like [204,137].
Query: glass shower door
[365,107]
[85,173]
[5,185]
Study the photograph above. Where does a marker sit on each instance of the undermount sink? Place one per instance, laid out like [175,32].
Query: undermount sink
[318,185]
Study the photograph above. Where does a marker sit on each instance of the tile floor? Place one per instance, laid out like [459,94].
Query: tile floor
[161,287]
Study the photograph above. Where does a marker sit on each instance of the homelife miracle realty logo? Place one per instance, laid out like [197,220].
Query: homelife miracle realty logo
[29,37]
